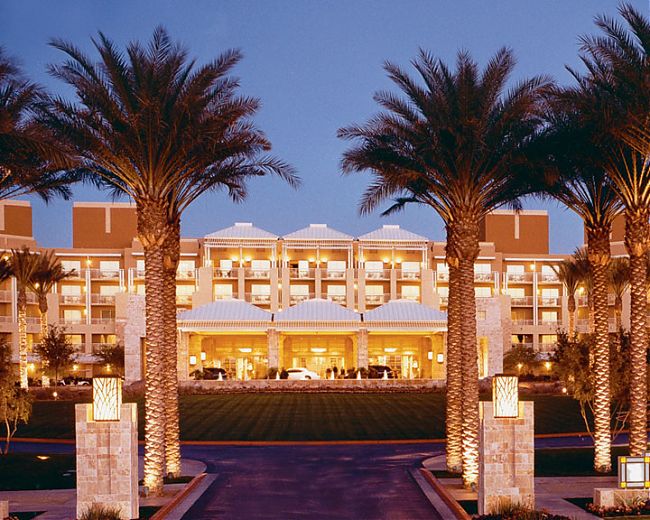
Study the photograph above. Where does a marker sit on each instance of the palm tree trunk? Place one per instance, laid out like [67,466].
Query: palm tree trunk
[22,337]
[454,420]
[42,307]
[636,233]
[599,256]
[571,309]
[152,229]
[172,427]
[618,311]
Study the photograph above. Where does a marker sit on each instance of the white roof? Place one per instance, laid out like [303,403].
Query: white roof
[317,232]
[404,310]
[226,310]
[393,232]
[242,230]
[317,310]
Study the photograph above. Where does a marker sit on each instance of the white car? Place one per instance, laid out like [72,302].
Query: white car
[301,373]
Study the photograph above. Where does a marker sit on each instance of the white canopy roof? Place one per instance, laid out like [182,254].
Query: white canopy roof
[227,311]
[317,310]
[404,311]
[317,232]
[242,230]
[393,233]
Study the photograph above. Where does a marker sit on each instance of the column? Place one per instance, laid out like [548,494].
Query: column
[426,288]
[318,276]
[273,338]
[393,284]
[362,348]
[204,293]
[275,290]
[286,290]
[349,288]
[361,290]
[241,283]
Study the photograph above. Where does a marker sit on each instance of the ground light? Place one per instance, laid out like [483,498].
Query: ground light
[634,472]
[107,398]
[505,396]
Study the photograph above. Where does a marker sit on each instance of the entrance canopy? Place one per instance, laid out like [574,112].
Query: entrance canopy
[225,314]
[405,315]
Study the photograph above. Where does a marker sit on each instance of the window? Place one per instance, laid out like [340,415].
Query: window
[374,269]
[225,264]
[109,290]
[72,315]
[75,339]
[482,268]
[481,315]
[443,292]
[515,269]
[261,289]
[186,268]
[71,290]
[375,290]
[336,268]
[411,292]
[299,290]
[548,339]
[442,267]
[222,291]
[184,290]
[517,292]
[139,265]
[336,290]
[549,316]
[140,289]
[109,266]
[411,267]
[69,265]
[483,292]
[303,268]
[547,270]
[550,293]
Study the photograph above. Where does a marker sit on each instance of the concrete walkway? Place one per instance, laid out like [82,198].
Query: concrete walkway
[550,492]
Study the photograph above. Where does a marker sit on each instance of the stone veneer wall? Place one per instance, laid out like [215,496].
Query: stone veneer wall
[107,460]
[496,328]
[130,328]
[506,459]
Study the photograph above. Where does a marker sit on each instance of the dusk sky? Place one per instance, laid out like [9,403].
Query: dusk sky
[315,65]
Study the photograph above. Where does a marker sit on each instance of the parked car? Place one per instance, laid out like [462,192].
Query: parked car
[377,372]
[213,373]
[301,373]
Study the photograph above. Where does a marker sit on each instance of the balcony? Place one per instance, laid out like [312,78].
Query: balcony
[412,297]
[550,323]
[442,276]
[582,301]
[259,299]
[521,301]
[228,296]
[31,298]
[333,274]
[186,274]
[522,345]
[519,277]
[103,321]
[337,298]
[554,301]
[104,274]
[138,274]
[444,300]
[183,299]
[72,299]
[223,272]
[263,274]
[522,322]
[302,274]
[484,277]
[299,298]
[379,274]
[376,299]
[73,321]
[548,278]
[408,275]
[5,296]
[99,346]
[102,299]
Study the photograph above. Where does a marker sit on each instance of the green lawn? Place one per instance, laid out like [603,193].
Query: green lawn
[295,416]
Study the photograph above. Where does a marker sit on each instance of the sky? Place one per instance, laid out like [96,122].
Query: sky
[315,66]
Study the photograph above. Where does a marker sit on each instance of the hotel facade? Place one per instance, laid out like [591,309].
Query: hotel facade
[250,300]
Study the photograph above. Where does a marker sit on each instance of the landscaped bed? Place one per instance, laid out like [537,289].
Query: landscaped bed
[308,417]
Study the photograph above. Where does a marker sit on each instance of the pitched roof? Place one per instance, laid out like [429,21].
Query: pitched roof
[226,310]
[393,232]
[317,310]
[317,232]
[404,310]
[242,230]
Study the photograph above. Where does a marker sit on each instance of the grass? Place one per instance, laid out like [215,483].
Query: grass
[296,416]
[25,471]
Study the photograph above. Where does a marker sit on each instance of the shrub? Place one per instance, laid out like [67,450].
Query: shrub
[99,512]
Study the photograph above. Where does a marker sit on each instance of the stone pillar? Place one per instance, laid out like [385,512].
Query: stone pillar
[427,294]
[4,509]
[349,289]
[241,283]
[318,283]
[286,289]
[205,292]
[107,461]
[361,290]
[362,348]
[273,338]
[393,285]
[506,459]
[130,329]
[275,297]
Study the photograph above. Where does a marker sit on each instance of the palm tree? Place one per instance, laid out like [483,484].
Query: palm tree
[456,143]
[29,158]
[49,273]
[23,264]
[619,281]
[581,258]
[570,274]
[618,75]
[581,184]
[151,125]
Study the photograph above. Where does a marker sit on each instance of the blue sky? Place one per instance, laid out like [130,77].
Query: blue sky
[315,66]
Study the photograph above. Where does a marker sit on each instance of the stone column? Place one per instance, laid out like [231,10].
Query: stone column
[273,338]
[241,283]
[506,459]
[393,285]
[130,329]
[427,293]
[273,280]
[361,289]
[205,292]
[362,348]
[286,289]
[349,288]
[107,461]
[318,283]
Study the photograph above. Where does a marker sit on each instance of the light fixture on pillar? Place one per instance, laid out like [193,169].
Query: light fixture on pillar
[430,356]
[203,356]
[107,398]
[634,472]
[192,361]
[440,358]
[505,396]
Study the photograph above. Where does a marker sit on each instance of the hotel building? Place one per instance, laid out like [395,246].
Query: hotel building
[250,300]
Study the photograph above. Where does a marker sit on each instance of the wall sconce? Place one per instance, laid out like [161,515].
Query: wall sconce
[203,356]
[430,356]
[318,350]
[634,472]
[440,358]
[107,398]
[246,350]
[192,361]
[390,350]
[505,396]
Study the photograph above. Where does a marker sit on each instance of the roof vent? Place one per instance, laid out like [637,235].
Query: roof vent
[390,226]
[317,225]
[244,224]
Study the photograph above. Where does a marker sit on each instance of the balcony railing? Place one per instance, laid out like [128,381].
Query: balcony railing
[522,345]
[484,277]
[522,322]
[223,272]
[412,297]
[548,278]
[103,321]
[444,300]
[186,274]
[183,299]
[519,277]
[72,299]
[98,346]
[550,323]
[73,321]
[302,273]
[333,274]
[337,298]
[553,301]
[5,296]
[442,276]
[102,299]
[260,299]
[104,274]
[258,273]
[522,301]
[138,273]
[224,296]
[376,299]
[298,298]
[408,274]
[378,274]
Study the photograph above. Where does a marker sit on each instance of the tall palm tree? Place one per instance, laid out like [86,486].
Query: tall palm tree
[49,273]
[570,274]
[454,415]
[29,158]
[618,75]
[457,144]
[150,124]
[582,185]
[619,281]
[581,258]
[23,264]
